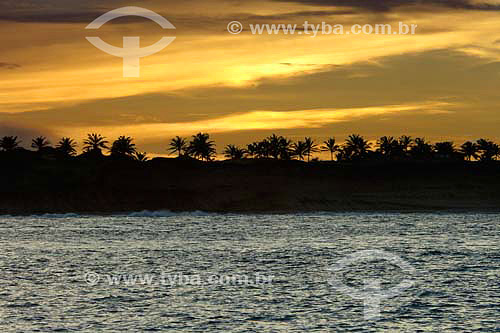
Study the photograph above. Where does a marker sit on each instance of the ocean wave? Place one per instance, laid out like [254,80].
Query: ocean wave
[59,216]
[44,216]
[165,213]
[144,213]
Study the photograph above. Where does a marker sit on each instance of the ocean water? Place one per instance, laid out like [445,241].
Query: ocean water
[197,272]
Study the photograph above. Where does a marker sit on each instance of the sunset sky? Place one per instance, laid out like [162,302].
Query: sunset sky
[441,83]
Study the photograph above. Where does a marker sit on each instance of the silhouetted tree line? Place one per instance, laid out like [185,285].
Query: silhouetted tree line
[93,145]
[355,148]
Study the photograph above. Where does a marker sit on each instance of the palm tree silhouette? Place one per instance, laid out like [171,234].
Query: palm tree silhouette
[201,147]
[330,146]
[299,149]
[495,151]
[278,147]
[234,153]
[274,146]
[94,142]
[344,154]
[445,149]
[285,148]
[178,146]
[253,150]
[67,146]
[264,148]
[356,146]
[311,147]
[141,157]
[40,143]
[488,150]
[388,146]
[469,150]
[259,149]
[9,143]
[405,143]
[123,147]
[421,149]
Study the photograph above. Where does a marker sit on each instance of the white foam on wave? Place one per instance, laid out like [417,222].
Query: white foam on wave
[59,216]
[44,216]
[168,213]
[165,213]
[144,213]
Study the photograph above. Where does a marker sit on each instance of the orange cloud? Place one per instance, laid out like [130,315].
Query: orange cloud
[258,120]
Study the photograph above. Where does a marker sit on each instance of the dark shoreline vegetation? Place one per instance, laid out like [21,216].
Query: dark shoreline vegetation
[274,175]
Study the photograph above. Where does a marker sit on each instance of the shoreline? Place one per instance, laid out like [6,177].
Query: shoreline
[167,213]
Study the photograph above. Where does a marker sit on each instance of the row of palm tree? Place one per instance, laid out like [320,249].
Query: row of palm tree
[93,144]
[358,148]
[201,147]
[66,145]
[354,148]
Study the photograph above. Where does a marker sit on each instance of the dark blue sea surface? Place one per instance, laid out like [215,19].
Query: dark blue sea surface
[197,272]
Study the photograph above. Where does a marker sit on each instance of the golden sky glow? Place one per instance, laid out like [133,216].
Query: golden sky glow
[258,120]
[445,78]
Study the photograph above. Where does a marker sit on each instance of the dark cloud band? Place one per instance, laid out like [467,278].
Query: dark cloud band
[6,65]
[389,5]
